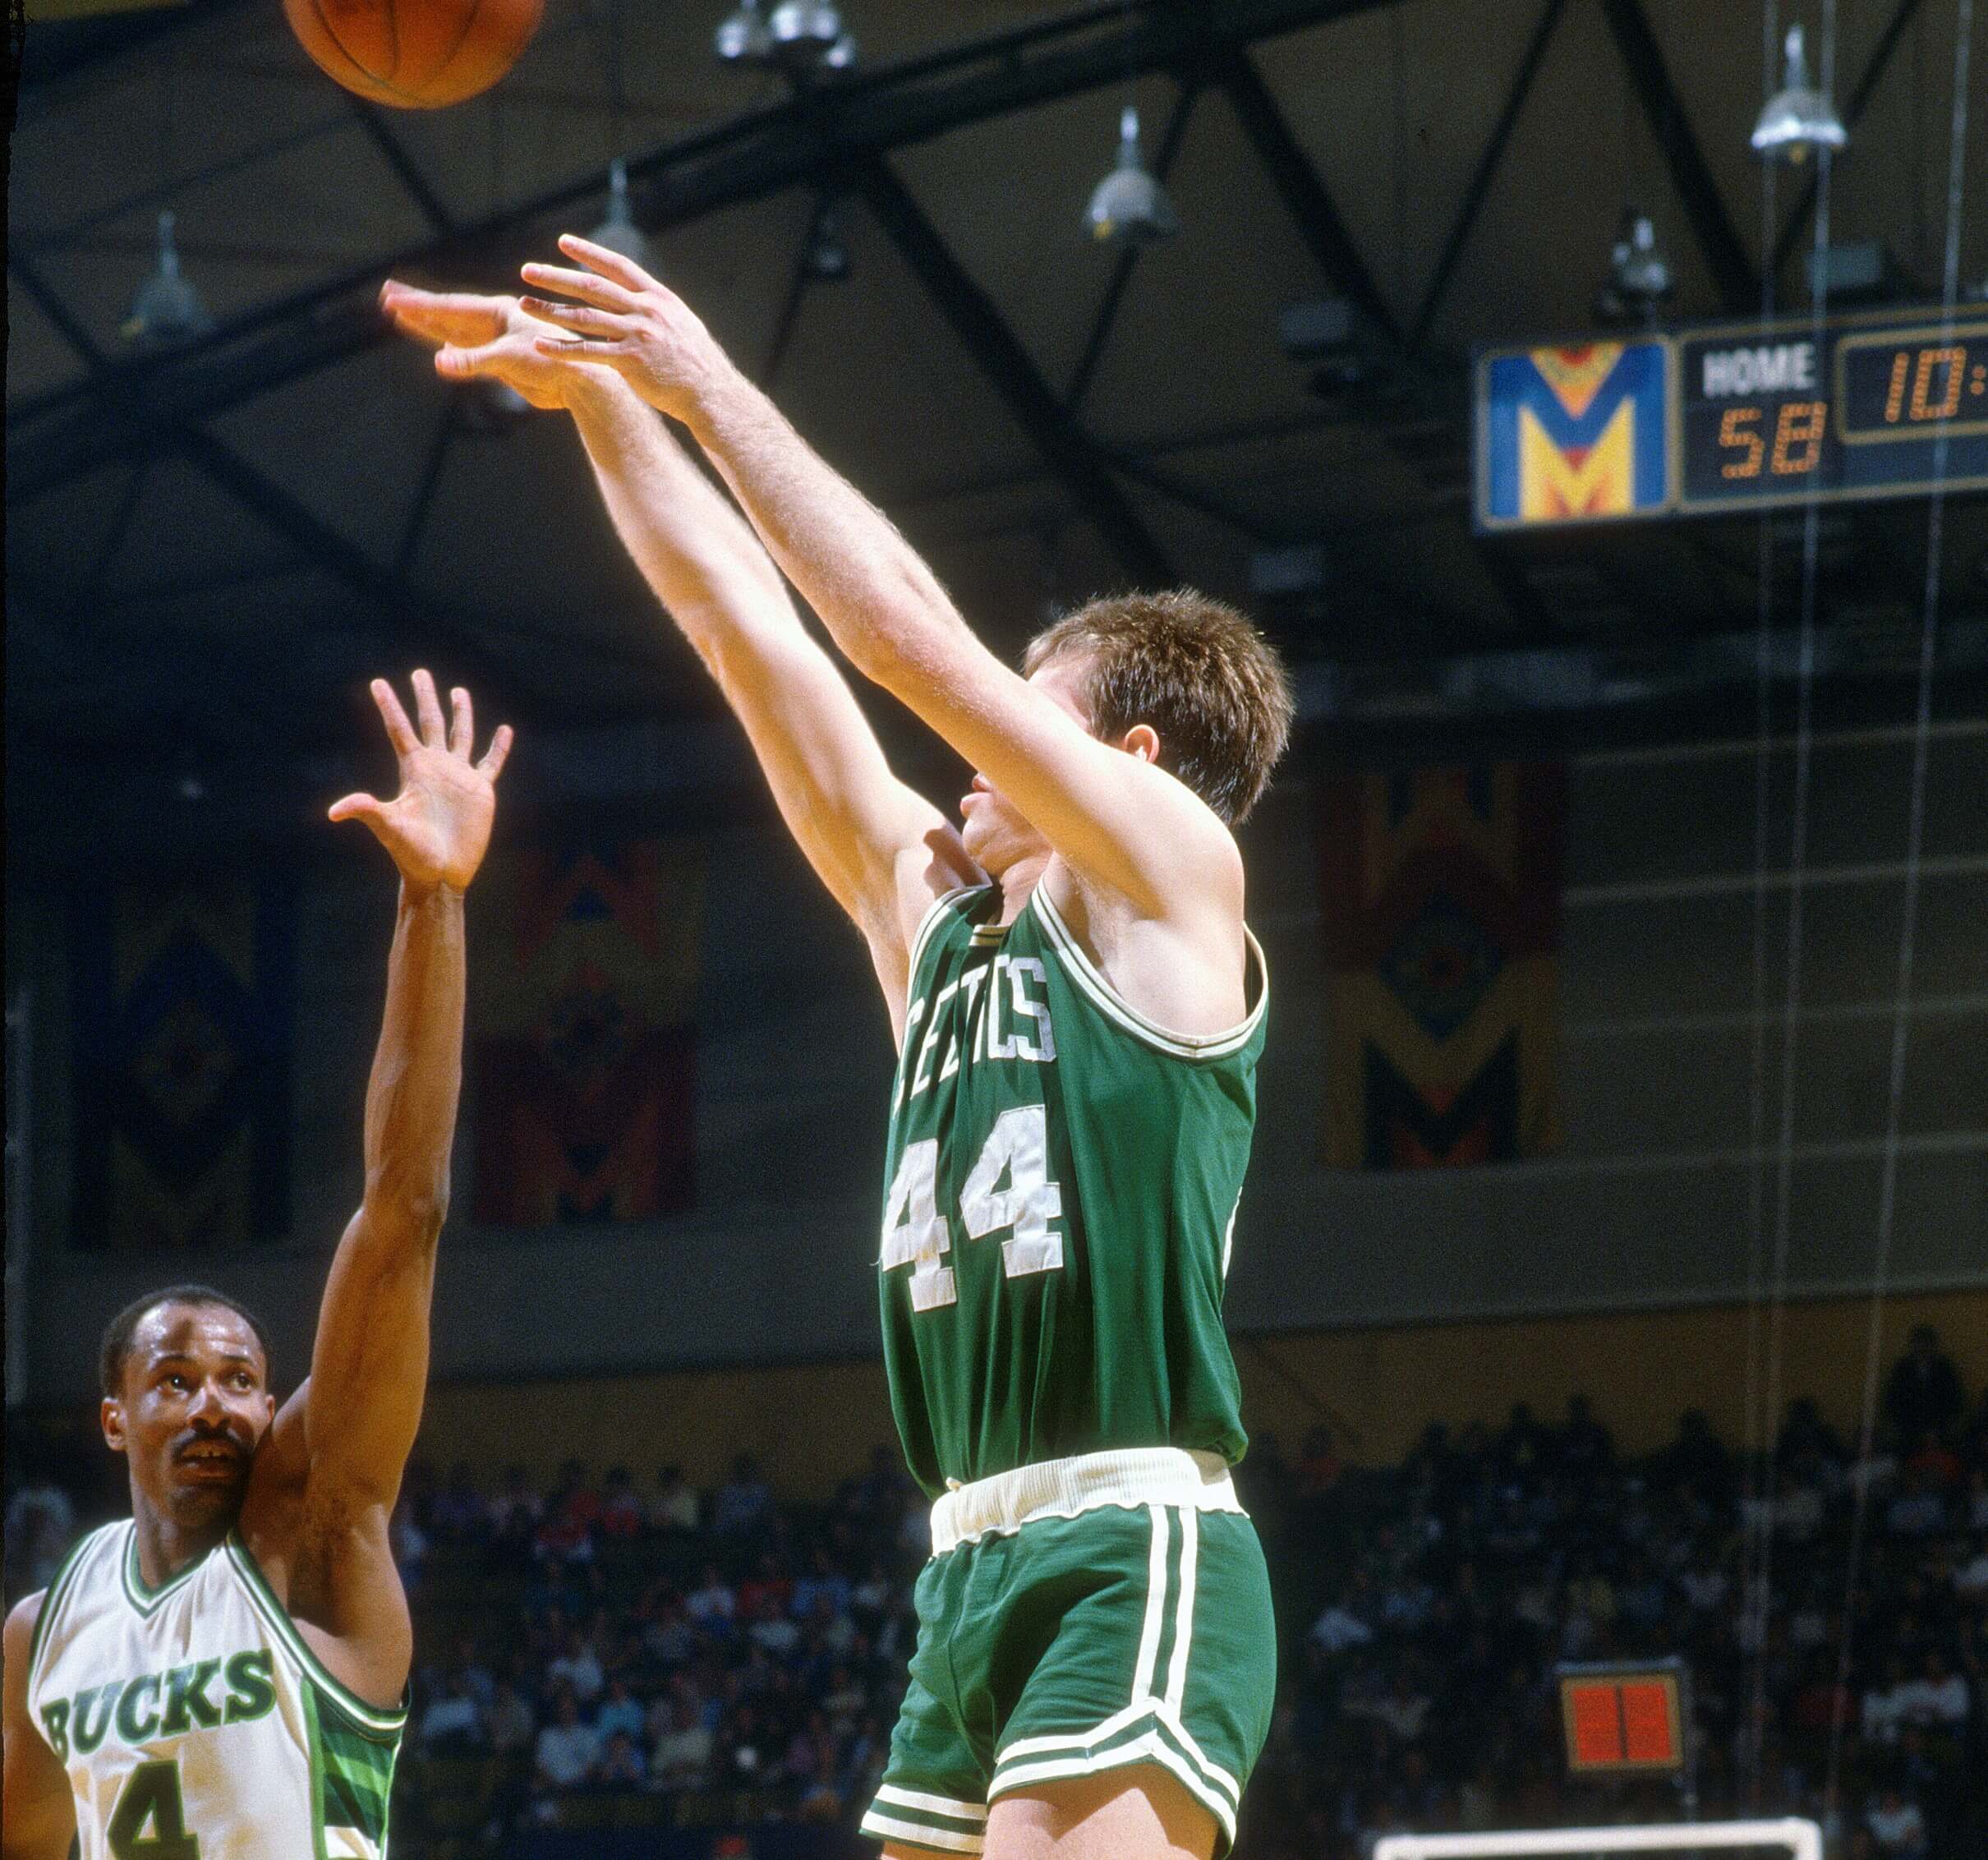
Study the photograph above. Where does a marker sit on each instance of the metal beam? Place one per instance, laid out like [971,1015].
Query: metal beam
[1127,261]
[1739,284]
[1011,372]
[72,431]
[1297,183]
[1874,72]
[1488,164]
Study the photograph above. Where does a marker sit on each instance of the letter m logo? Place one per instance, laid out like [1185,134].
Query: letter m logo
[1570,435]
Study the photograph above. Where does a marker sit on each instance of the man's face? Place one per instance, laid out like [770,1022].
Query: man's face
[193,1408]
[995,836]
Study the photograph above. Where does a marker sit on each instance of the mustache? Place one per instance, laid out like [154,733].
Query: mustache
[197,1439]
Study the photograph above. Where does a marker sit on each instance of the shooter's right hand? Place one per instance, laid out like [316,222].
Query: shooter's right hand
[491,338]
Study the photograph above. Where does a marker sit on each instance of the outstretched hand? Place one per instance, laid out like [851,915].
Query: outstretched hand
[625,321]
[487,337]
[438,826]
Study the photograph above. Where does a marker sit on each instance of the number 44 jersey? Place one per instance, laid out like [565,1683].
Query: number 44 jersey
[1062,1180]
[195,1721]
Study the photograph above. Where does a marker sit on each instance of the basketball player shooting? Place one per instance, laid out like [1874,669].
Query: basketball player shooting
[1078,1009]
[223,1676]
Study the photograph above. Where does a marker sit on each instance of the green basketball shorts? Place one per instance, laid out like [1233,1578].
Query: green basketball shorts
[1076,1617]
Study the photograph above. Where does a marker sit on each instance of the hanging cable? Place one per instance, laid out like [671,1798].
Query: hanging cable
[1760,1609]
[1915,834]
[1753,1421]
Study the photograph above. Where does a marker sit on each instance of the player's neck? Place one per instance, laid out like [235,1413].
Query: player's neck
[1019,882]
[165,1546]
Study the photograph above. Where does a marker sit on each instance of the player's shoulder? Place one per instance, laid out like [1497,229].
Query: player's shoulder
[22,1619]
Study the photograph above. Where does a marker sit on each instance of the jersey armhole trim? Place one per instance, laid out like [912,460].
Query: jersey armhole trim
[385,1725]
[53,1598]
[1093,982]
[929,922]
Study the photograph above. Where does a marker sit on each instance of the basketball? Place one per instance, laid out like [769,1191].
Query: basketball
[415,54]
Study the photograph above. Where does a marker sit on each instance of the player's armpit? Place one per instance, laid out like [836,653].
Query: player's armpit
[37,1812]
[1112,814]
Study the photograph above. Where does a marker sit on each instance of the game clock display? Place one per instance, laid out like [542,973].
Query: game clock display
[1780,415]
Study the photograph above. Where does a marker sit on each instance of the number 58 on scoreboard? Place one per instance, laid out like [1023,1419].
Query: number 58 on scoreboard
[1735,418]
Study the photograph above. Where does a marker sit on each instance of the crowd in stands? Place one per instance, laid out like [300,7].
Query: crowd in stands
[632,1652]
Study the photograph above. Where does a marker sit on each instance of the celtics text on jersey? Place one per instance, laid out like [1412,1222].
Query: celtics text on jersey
[194,1720]
[1062,1177]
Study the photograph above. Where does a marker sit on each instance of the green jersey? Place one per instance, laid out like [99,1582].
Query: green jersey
[1063,1177]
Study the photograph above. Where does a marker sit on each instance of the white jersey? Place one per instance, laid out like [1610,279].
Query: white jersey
[195,1722]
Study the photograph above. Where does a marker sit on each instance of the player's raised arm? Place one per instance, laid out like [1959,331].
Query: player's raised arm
[1116,817]
[37,1810]
[360,1409]
[882,850]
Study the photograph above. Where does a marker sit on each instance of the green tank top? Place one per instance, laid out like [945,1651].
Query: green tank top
[1061,1180]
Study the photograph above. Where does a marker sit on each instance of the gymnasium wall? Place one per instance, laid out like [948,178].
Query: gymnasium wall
[811,1425]
[1645,1207]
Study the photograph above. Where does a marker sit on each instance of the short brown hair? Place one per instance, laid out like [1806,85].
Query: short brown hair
[1194,669]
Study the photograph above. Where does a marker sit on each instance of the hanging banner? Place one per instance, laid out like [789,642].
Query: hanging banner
[583,997]
[183,1011]
[1440,901]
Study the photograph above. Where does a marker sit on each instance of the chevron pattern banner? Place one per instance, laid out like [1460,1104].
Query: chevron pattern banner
[583,997]
[183,1018]
[1440,897]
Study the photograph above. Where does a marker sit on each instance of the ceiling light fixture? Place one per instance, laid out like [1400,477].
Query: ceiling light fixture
[1797,118]
[1639,282]
[1129,207]
[618,232]
[165,308]
[797,35]
[828,258]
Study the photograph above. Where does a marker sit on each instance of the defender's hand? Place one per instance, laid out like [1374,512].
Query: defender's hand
[491,337]
[439,825]
[626,321]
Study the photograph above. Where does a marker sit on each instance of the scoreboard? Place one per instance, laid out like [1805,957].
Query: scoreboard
[1734,417]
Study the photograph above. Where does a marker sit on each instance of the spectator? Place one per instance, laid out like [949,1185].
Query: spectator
[745,1501]
[823,1582]
[672,1511]
[621,1510]
[1342,1626]
[568,1749]
[1938,1699]
[680,1756]
[1898,1826]
[460,1513]
[1586,1448]
[712,1605]
[511,1725]
[620,1765]
[452,1725]
[1918,1511]
[619,1711]
[1922,1394]
[517,1509]
[577,1669]
[571,1514]
[40,1526]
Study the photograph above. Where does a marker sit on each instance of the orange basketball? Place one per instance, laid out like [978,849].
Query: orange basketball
[415,54]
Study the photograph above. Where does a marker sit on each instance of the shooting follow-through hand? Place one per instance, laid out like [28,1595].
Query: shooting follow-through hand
[487,337]
[438,826]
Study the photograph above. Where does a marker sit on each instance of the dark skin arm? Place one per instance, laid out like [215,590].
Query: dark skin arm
[37,1817]
[326,1478]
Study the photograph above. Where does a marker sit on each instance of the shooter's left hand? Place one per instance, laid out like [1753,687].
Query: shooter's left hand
[438,826]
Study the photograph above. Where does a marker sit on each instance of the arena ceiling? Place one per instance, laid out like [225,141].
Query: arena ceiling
[206,541]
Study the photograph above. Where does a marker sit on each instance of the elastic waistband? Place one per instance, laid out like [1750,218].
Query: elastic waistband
[1142,1475]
